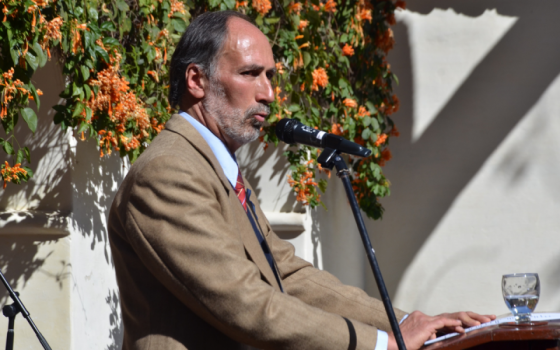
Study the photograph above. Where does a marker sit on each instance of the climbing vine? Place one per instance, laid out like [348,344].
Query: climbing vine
[332,75]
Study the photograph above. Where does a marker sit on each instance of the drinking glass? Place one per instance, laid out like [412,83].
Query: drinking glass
[521,293]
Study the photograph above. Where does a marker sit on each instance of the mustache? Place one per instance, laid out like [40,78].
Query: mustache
[261,108]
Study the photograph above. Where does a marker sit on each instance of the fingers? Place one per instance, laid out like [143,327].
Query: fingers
[470,319]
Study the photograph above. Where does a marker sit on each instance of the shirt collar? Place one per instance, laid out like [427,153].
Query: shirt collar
[227,161]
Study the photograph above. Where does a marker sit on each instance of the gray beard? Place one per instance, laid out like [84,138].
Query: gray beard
[240,126]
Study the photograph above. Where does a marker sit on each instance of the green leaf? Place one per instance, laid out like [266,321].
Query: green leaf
[29,171]
[14,52]
[102,53]
[8,148]
[108,26]
[27,154]
[85,72]
[110,42]
[150,100]
[87,91]
[41,55]
[366,134]
[230,4]
[93,13]
[35,95]
[306,58]
[83,127]
[294,108]
[322,185]
[30,118]
[122,5]
[19,156]
[78,110]
[32,60]
[179,25]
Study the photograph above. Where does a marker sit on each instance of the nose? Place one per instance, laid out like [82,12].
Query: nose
[265,92]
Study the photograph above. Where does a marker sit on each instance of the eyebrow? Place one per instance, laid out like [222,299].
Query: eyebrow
[258,67]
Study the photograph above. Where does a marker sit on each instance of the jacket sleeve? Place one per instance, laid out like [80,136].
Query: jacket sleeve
[323,290]
[174,220]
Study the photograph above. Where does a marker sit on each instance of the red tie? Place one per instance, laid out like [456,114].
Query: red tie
[240,190]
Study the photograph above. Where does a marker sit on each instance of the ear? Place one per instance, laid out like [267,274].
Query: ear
[196,81]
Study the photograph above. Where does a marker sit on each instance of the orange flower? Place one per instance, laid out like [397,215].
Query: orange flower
[394,132]
[295,7]
[262,6]
[176,6]
[9,173]
[320,78]
[39,92]
[400,4]
[380,140]
[277,92]
[239,4]
[279,68]
[348,102]
[385,156]
[153,75]
[364,15]
[330,6]
[302,24]
[347,50]
[385,41]
[337,129]
[362,112]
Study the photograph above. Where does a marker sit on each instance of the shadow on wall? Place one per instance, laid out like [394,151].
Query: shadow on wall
[252,161]
[70,180]
[429,174]
[116,332]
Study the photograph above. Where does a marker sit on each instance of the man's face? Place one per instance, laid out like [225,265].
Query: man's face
[240,89]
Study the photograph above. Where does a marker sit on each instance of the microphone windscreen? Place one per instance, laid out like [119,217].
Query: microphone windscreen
[285,130]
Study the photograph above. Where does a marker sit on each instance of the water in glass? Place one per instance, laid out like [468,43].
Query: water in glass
[521,293]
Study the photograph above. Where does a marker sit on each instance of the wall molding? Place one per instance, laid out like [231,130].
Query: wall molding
[34,222]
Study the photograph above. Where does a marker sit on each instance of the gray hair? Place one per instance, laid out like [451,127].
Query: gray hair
[200,44]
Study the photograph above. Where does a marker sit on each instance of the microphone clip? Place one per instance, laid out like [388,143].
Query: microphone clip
[330,158]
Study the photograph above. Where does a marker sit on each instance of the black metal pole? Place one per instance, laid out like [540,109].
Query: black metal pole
[10,311]
[21,308]
[343,174]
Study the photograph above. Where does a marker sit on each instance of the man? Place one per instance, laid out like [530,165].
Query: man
[197,263]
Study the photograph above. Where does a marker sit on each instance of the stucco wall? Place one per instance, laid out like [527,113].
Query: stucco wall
[474,184]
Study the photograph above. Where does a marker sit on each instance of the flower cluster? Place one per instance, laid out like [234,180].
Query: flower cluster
[332,75]
[14,174]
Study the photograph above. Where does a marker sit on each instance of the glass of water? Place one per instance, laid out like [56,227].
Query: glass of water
[521,293]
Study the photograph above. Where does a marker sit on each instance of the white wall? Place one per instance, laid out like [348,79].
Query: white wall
[474,184]
[54,248]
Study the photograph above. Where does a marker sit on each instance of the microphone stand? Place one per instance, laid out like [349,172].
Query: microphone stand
[328,159]
[11,311]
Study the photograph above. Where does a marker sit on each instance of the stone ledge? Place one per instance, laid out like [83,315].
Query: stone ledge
[286,221]
[34,222]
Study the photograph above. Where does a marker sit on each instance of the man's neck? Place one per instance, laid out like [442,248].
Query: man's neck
[198,112]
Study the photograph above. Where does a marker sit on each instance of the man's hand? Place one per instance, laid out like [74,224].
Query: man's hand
[418,327]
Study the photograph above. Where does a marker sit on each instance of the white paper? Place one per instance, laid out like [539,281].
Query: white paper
[539,316]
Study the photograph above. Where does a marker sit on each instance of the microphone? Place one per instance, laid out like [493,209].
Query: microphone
[291,131]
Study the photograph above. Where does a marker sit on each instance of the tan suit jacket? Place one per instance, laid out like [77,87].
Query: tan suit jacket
[192,274]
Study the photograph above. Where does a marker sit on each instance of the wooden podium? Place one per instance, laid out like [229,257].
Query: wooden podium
[501,337]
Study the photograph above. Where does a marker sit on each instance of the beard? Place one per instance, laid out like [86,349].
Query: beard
[240,126]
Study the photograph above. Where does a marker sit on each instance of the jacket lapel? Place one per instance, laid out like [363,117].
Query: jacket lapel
[179,125]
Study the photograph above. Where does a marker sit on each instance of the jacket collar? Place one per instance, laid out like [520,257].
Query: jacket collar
[179,125]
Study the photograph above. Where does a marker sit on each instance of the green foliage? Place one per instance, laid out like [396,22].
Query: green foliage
[332,75]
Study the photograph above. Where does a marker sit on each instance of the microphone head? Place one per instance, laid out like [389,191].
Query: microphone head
[284,130]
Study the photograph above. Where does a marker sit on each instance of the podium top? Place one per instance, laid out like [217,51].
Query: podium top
[543,336]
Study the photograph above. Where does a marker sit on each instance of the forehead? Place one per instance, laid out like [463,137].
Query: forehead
[245,44]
